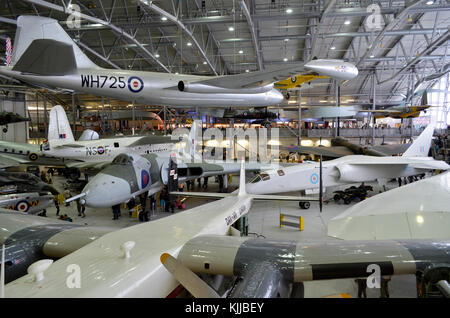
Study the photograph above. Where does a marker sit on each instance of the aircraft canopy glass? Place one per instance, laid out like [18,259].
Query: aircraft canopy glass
[262,176]
[122,159]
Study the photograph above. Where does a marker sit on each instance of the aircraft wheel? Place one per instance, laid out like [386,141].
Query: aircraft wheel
[288,95]
[304,205]
[336,197]
[268,125]
[5,130]
[22,206]
[33,156]
[347,200]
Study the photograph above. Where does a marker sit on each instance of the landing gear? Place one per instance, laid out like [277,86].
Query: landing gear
[304,205]
[5,130]
[267,124]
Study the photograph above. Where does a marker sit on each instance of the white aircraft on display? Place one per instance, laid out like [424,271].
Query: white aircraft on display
[96,152]
[350,169]
[152,259]
[45,55]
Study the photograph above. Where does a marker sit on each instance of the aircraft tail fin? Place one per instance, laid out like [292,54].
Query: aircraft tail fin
[59,131]
[45,40]
[421,146]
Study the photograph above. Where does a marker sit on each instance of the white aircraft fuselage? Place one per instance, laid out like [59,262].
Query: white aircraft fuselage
[102,150]
[344,170]
[150,88]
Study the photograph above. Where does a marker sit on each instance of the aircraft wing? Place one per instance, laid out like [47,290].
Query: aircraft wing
[255,79]
[333,152]
[387,111]
[257,197]
[87,165]
[146,140]
[69,146]
[391,150]
[418,210]
[205,195]
[10,161]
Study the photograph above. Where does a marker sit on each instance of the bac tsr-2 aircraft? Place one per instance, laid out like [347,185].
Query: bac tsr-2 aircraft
[45,55]
[351,169]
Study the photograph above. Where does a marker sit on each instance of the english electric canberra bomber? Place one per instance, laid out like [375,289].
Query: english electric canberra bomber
[45,55]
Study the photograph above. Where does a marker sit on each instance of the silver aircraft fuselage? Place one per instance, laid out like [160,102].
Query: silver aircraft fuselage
[148,87]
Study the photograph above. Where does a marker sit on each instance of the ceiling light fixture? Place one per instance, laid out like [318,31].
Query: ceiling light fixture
[333,47]
[285,59]
[156,55]
[430,2]
[231,29]
[240,51]
[163,19]
[204,63]
[189,44]
[347,22]
[288,10]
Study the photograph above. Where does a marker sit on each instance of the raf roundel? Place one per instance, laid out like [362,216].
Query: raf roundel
[100,150]
[135,84]
[145,178]
[22,206]
[314,178]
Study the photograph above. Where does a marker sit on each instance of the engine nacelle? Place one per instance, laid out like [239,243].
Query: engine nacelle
[208,89]
[333,68]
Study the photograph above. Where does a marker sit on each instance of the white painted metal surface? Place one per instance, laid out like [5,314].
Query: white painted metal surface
[104,271]
[419,210]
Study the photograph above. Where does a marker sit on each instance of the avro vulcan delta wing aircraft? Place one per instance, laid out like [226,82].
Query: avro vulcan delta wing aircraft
[351,169]
[10,118]
[45,55]
[341,147]
[153,259]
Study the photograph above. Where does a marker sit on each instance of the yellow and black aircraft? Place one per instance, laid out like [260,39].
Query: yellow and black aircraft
[296,81]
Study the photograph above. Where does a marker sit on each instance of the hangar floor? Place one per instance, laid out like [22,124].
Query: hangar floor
[263,221]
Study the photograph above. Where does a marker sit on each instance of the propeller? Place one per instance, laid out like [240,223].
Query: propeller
[197,287]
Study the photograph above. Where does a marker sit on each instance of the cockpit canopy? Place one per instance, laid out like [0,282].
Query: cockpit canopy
[122,159]
[261,177]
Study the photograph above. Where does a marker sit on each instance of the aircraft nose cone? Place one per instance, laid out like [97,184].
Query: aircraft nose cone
[276,97]
[253,188]
[105,191]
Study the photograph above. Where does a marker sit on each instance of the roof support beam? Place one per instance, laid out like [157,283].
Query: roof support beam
[325,13]
[433,46]
[181,26]
[387,27]
[253,33]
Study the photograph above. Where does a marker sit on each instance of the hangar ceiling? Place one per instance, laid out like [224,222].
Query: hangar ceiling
[218,37]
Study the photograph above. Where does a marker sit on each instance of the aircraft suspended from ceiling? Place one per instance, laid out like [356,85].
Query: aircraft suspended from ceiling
[45,55]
